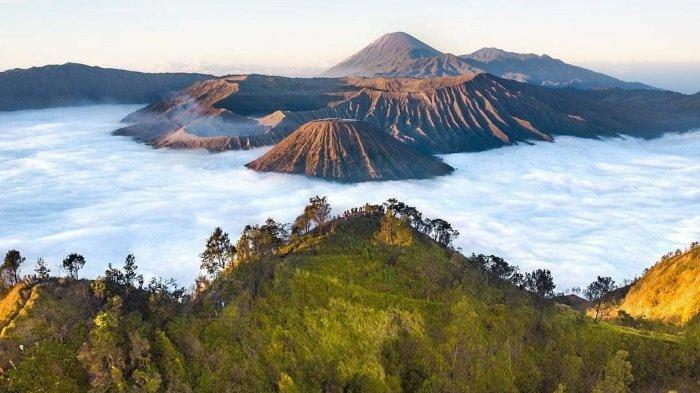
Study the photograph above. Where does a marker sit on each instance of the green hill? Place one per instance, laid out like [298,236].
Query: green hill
[346,307]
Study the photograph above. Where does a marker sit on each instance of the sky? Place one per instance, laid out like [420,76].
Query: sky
[630,39]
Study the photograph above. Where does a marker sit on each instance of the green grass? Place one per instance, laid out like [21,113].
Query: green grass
[336,311]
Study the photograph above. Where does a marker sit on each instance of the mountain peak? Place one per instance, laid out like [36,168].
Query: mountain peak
[399,40]
[389,52]
[348,150]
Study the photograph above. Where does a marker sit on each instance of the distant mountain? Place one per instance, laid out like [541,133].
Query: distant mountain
[543,70]
[432,115]
[79,84]
[669,291]
[347,151]
[401,55]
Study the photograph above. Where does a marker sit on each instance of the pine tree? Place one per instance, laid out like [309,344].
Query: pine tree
[42,271]
[130,269]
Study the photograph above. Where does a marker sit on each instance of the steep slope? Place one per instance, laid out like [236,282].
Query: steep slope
[395,54]
[543,70]
[434,115]
[78,84]
[669,291]
[224,113]
[347,151]
[441,65]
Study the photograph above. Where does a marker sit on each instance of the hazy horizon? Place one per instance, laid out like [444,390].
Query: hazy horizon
[644,41]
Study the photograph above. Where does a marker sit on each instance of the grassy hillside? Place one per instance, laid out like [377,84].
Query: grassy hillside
[334,310]
[669,291]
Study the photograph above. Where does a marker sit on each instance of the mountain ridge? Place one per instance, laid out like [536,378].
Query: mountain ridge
[434,115]
[79,84]
[544,70]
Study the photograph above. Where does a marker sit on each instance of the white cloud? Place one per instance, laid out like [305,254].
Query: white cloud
[579,207]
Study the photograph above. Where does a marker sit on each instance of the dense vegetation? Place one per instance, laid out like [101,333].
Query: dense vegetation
[374,300]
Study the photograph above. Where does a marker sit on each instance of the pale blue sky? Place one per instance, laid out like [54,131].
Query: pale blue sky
[304,37]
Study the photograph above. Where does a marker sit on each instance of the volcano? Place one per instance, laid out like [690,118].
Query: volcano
[348,151]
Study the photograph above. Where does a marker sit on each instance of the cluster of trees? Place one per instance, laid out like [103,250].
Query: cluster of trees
[541,283]
[436,228]
[125,339]
[13,261]
[692,246]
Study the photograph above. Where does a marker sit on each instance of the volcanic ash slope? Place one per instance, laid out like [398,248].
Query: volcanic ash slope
[348,151]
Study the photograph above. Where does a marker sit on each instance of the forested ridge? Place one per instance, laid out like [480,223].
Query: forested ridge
[375,299]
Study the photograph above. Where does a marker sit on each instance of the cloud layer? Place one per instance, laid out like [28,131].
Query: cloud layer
[578,207]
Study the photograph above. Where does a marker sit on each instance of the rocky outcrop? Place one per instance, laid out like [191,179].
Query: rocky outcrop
[348,151]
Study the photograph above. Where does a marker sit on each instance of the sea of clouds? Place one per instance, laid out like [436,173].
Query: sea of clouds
[578,207]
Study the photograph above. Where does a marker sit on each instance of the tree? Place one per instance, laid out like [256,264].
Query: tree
[500,268]
[617,375]
[597,293]
[218,253]
[42,271]
[72,264]
[130,267]
[261,240]
[541,284]
[302,224]
[443,232]
[316,213]
[13,260]
[394,232]
[103,355]
[320,210]
[115,278]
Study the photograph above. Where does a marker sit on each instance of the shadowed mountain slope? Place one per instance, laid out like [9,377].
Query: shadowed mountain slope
[347,151]
[543,70]
[78,84]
